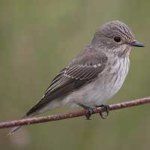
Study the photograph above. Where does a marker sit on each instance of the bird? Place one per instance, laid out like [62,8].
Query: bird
[95,75]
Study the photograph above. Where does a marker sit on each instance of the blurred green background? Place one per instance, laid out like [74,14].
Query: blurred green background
[37,39]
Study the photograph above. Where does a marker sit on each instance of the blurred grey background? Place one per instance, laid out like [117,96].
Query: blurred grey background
[37,39]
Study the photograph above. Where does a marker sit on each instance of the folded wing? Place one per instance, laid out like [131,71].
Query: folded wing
[82,70]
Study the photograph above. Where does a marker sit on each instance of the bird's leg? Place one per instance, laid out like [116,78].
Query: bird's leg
[88,109]
[105,111]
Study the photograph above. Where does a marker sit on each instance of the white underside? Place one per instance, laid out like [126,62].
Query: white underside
[98,91]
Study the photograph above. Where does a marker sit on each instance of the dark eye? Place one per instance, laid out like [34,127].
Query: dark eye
[117,39]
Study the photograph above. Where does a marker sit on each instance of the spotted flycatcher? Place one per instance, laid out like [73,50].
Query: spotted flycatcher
[95,75]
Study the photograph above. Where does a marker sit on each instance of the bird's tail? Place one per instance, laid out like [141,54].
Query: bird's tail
[32,112]
[14,129]
[37,109]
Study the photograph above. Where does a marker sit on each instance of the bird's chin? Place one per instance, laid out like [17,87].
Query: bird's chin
[124,51]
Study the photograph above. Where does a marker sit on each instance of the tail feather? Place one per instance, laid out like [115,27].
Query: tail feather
[35,110]
[14,129]
[32,112]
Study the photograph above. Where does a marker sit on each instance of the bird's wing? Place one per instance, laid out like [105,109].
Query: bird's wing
[83,69]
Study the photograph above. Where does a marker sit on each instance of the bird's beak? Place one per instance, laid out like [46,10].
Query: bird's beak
[136,44]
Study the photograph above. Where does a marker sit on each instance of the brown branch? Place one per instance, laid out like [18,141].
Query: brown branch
[34,120]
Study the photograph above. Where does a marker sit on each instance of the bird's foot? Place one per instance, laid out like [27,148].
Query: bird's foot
[89,111]
[105,111]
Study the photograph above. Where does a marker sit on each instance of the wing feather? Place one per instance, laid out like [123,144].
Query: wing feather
[82,70]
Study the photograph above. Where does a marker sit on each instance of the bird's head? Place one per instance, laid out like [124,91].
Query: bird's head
[116,37]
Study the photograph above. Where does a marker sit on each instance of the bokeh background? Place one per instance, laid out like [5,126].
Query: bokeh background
[37,39]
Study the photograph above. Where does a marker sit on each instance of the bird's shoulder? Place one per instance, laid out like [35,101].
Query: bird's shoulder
[89,57]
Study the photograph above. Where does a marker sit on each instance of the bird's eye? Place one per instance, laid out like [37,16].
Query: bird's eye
[117,39]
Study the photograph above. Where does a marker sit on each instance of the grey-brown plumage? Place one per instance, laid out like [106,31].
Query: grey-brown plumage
[81,71]
[95,75]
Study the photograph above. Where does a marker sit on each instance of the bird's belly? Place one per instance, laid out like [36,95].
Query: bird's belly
[100,90]
[95,93]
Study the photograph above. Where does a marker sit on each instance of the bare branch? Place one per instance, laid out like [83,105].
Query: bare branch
[35,120]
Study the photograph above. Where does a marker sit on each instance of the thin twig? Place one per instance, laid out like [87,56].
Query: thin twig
[35,120]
